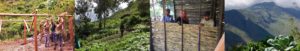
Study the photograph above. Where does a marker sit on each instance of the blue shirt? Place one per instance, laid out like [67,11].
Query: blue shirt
[168,19]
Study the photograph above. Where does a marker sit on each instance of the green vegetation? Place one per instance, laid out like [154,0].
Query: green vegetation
[104,34]
[14,30]
[281,43]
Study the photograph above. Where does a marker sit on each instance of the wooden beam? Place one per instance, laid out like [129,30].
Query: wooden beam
[12,14]
[19,20]
[15,20]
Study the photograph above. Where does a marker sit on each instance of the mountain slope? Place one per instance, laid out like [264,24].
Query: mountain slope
[258,22]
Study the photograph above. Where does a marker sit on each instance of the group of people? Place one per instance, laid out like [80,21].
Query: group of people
[182,19]
[52,32]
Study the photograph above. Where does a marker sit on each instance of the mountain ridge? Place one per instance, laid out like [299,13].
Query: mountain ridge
[258,22]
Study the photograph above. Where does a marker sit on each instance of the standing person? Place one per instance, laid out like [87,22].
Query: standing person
[122,25]
[47,33]
[58,34]
[206,21]
[53,36]
[168,17]
[61,17]
[40,33]
[182,17]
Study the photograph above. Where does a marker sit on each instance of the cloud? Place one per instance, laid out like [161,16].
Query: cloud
[240,4]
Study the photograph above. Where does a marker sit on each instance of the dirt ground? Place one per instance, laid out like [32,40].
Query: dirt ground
[16,45]
[190,37]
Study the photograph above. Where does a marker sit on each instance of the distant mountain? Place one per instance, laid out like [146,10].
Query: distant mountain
[259,22]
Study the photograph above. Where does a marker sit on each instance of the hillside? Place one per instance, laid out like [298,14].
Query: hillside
[14,30]
[11,35]
[259,22]
[135,18]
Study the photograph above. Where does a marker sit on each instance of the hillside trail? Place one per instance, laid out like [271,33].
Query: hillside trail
[190,37]
[17,45]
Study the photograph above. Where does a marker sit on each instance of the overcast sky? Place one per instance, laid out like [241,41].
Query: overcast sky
[240,4]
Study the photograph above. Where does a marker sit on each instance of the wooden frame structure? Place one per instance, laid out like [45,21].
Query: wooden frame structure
[216,13]
[70,26]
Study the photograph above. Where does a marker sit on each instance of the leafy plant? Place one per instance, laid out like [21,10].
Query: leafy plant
[279,43]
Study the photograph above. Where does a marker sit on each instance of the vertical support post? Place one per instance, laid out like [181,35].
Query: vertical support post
[35,32]
[24,33]
[199,27]
[71,31]
[182,30]
[164,3]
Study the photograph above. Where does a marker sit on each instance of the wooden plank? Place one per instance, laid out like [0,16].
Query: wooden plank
[221,44]
[12,14]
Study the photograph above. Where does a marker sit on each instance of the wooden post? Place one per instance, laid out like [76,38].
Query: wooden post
[164,3]
[24,33]
[35,32]
[182,30]
[71,31]
[199,28]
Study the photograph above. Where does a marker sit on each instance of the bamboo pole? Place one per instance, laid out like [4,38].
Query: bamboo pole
[13,14]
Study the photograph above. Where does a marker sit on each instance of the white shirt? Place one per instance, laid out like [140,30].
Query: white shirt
[207,23]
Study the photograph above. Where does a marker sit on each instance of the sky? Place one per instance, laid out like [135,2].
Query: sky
[123,5]
[240,4]
[91,9]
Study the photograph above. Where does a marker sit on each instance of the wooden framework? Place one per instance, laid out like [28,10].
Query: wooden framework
[216,10]
[35,15]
